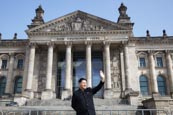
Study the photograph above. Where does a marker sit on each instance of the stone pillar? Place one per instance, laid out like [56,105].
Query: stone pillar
[127,68]
[9,85]
[128,89]
[25,72]
[107,92]
[170,71]
[49,67]
[68,67]
[153,74]
[30,71]
[122,70]
[67,92]
[108,66]
[88,65]
[129,93]
[48,93]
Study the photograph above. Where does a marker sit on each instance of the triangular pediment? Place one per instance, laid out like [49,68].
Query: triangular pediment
[77,21]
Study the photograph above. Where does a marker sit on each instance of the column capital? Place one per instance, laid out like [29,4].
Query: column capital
[168,52]
[68,43]
[107,43]
[151,52]
[50,44]
[121,48]
[88,43]
[11,53]
[122,45]
[31,44]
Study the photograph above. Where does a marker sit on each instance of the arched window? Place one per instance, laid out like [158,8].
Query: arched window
[2,85]
[18,85]
[161,85]
[144,85]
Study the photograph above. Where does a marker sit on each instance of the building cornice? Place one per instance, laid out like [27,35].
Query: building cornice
[69,33]
[13,43]
[92,40]
[152,41]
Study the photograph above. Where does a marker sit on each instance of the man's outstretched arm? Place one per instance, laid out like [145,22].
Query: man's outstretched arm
[99,86]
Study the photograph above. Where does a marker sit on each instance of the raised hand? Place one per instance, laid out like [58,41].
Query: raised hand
[102,76]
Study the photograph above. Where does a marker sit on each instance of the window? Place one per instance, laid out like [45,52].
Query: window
[20,64]
[144,85]
[142,62]
[2,85]
[159,61]
[97,65]
[18,85]
[4,64]
[79,68]
[161,85]
[60,74]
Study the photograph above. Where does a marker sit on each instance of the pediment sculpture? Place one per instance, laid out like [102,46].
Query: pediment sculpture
[77,25]
[77,21]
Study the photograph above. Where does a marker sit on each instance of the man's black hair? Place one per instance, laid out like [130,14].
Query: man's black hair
[80,80]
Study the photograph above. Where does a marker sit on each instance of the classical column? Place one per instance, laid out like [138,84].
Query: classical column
[170,71]
[66,92]
[30,68]
[25,72]
[10,76]
[108,94]
[153,74]
[107,65]
[49,67]
[127,68]
[122,68]
[88,65]
[48,93]
[68,66]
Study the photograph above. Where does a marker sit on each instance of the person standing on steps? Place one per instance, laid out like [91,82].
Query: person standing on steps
[82,99]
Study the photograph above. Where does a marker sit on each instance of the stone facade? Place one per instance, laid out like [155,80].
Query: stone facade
[136,68]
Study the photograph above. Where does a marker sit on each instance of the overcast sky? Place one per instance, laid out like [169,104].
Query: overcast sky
[154,15]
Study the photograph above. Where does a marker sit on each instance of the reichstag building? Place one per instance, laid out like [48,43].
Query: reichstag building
[56,54]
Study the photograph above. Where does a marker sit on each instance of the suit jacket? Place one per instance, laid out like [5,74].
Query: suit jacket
[82,101]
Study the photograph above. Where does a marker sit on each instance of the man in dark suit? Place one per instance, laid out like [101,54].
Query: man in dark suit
[82,99]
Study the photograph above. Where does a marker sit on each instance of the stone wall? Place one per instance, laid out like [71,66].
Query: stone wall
[162,103]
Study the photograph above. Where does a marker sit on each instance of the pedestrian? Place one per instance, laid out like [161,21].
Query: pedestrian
[82,99]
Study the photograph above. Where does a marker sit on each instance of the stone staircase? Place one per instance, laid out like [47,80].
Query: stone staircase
[100,104]
[63,107]
[57,102]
